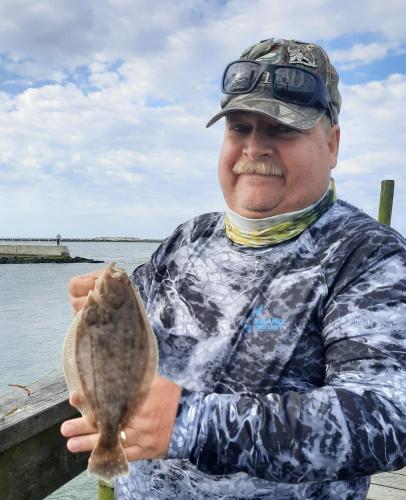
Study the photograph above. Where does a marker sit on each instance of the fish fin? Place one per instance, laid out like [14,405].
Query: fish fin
[107,463]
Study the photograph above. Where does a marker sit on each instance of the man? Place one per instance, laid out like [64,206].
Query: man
[281,324]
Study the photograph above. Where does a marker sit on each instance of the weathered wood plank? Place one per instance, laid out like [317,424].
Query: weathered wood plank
[23,416]
[389,479]
[34,461]
[388,486]
[377,492]
[402,472]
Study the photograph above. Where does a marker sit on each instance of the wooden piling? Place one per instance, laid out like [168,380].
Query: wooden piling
[386,202]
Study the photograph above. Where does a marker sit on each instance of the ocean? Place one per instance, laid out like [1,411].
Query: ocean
[35,314]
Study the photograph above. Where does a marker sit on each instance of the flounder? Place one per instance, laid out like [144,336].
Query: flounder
[110,357]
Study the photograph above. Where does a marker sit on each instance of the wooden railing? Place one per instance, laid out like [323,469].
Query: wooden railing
[34,460]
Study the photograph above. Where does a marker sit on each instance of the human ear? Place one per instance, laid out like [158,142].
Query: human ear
[333,144]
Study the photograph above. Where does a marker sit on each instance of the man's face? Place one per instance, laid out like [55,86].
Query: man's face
[267,169]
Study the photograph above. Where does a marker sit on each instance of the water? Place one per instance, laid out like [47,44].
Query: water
[35,314]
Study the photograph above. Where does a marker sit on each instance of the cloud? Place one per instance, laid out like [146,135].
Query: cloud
[361,54]
[45,39]
[374,114]
[67,34]
[108,120]
[373,143]
[68,149]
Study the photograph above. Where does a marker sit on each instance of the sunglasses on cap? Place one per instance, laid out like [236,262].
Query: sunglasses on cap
[286,83]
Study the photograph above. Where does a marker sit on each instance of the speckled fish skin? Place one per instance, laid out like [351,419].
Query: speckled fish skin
[292,359]
[110,358]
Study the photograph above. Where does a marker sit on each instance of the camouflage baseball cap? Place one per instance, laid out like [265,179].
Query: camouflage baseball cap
[304,55]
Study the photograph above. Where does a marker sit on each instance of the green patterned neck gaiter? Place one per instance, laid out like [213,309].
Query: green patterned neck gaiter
[273,230]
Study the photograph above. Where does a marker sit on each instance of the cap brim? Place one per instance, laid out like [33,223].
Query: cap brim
[292,115]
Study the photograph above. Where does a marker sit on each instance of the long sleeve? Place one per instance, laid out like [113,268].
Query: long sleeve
[354,425]
[292,360]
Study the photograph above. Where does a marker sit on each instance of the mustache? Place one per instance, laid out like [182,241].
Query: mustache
[261,167]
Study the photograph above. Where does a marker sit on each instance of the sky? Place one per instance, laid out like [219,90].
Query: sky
[103,106]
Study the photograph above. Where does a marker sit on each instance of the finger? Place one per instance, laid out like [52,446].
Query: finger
[77,427]
[132,447]
[80,285]
[82,443]
[77,303]
[79,288]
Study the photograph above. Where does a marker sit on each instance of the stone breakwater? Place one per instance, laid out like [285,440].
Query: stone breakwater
[38,254]
[35,250]
[21,259]
[115,239]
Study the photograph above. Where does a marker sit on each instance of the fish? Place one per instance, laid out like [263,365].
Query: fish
[110,357]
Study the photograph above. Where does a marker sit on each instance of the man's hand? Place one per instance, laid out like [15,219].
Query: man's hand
[80,286]
[148,432]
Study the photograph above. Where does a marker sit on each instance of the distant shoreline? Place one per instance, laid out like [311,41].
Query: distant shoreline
[34,259]
[118,239]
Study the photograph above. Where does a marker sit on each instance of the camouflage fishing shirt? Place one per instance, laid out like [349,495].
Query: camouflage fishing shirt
[292,361]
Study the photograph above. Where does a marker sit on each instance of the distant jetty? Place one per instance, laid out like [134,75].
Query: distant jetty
[39,254]
[29,259]
[122,239]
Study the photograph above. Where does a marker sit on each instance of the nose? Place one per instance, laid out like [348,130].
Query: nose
[258,146]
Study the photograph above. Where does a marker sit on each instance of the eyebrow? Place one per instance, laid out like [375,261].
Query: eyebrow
[273,124]
[232,117]
[240,116]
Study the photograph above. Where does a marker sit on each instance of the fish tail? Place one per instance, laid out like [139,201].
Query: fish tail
[107,460]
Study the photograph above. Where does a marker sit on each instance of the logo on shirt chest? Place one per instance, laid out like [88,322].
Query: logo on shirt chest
[261,321]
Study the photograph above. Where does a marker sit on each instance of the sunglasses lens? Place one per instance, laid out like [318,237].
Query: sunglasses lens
[240,77]
[288,84]
[294,85]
